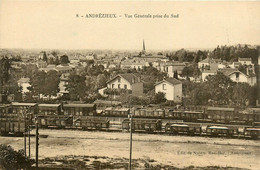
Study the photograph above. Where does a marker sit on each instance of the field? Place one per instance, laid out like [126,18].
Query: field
[148,149]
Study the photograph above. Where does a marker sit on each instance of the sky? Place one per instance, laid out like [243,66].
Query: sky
[54,25]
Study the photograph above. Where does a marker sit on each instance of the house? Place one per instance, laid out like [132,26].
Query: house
[41,64]
[205,73]
[235,65]
[127,81]
[24,83]
[90,57]
[174,66]
[237,76]
[204,63]
[245,61]
[63,69]
[172,89]
[133,64]
[63,82]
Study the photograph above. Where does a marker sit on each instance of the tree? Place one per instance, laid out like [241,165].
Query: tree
[37,83]
[159,98]
[76,86]
[44,58]
[243,69]
[29,70]
[52,81]
[175,75]
[244,94]
[11,159]
[57,61]
[64,59]
[101,81]
[5,66]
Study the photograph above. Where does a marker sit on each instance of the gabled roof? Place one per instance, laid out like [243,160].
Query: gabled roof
[229,71]
[206,60]
[63,68]
[24,80]
[171,81]
[131,78]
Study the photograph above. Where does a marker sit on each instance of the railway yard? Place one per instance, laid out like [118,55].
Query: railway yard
[164,137]
[177,151]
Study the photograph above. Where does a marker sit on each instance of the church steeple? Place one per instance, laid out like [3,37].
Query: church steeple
[143,46]
[143,51]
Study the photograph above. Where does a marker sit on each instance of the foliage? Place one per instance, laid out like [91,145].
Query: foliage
[76,86]
[117,91]
[159,98]
[191,71]
[150,76]
[243,69]
[64,59]
[44,58]
[45,83]
[11,159]
[7,84]
[95,70]
[187,56]
[29,70]
[5,66]
[219,90]
[232,53]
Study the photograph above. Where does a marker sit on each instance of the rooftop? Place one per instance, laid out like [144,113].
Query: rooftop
[24,80]
[172,81]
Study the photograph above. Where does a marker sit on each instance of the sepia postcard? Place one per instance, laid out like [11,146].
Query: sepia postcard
[129,85]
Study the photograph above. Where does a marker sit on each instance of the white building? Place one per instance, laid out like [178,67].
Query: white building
[24,83]
[126,81]
[172,89]
[207,73]
[245,61]
[174,66]
[237,76]
[203,63]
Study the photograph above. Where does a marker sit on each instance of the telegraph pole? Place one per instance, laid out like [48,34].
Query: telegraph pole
[37,141]
[25,127]
[130,125]
[29,134]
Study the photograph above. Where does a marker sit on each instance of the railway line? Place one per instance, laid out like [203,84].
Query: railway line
[15,118]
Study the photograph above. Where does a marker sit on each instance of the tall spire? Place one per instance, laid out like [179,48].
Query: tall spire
[143,46]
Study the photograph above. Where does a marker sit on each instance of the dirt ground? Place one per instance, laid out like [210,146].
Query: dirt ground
[177,151]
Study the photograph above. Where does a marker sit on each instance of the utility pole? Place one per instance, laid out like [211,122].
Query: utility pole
[130,125]
[25,127]
[37,141]
[29,134]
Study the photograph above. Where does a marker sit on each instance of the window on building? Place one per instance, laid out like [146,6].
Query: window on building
[119,86]
[237,76]
[113,86]
[164,86]
[119,80]
[125,86]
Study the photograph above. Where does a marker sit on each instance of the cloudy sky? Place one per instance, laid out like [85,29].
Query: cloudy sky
[54,25]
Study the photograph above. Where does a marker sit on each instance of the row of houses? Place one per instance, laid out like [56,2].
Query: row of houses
[212,66]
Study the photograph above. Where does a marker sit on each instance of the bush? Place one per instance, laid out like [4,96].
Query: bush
[11,159]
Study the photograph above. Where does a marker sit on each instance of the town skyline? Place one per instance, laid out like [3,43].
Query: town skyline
[201,25]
